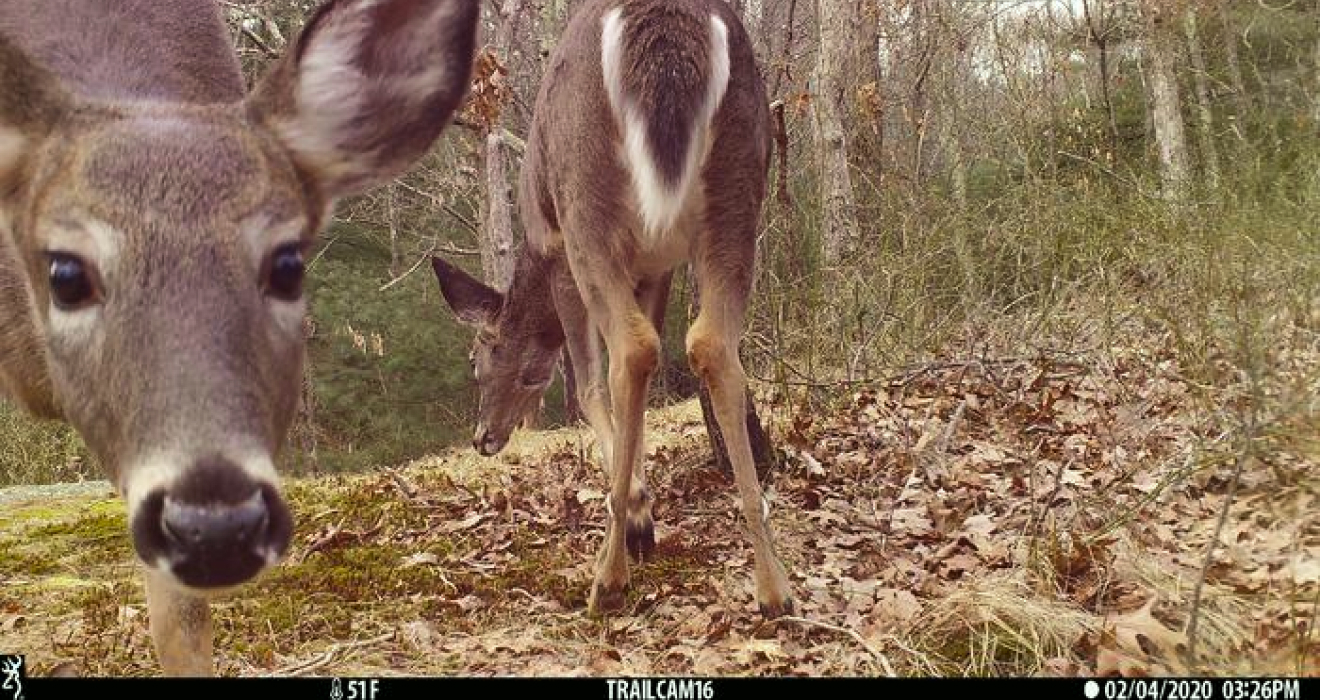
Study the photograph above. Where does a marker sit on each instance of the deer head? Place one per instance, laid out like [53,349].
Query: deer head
[516,346]
[152,248]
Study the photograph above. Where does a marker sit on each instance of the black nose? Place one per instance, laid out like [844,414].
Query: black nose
[487,443]
[215,527]
[200,528]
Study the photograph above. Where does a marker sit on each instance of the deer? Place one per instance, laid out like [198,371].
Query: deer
[648,148]
[154,218]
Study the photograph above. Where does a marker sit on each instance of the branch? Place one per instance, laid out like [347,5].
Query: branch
[437,248]
[329,655]
[266,49]
[1248,443]
[852,634]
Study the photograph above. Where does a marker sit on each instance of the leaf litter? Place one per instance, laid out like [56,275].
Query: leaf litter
[1038,515]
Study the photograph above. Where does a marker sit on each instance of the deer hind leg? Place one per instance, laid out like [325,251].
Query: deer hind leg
[634,353]
[712,347]
[584,352]
[653,297]
[180,628]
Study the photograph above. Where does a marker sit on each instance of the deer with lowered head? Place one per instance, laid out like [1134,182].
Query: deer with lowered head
[649,148]
[154,216]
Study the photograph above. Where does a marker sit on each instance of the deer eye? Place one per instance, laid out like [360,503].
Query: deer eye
[284,281]
[71,284]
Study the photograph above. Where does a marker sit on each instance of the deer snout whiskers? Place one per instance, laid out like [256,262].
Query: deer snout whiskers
[215,526]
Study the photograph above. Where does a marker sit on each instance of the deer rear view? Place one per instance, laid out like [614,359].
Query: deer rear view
[649,148]
[153,222]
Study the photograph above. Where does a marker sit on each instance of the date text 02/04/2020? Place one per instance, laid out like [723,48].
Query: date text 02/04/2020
[1197,689]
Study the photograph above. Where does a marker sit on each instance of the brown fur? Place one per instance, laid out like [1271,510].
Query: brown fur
[127,140]
[608,278]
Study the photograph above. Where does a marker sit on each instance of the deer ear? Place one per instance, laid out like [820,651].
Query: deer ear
[368,87]
[33,104]
[472,302]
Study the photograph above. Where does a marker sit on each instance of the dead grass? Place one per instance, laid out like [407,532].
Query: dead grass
[1004,512]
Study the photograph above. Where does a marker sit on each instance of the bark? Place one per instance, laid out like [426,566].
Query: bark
[306,420]
[950,139]
[1234,66]
[572,409]
[777,24]
[1099,28]
[1201,83]
[1315,99]
[869,124]
[497,245]
[1166,106]
[918,103]
[829,114]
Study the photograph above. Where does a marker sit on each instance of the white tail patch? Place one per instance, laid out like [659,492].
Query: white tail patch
[660,205]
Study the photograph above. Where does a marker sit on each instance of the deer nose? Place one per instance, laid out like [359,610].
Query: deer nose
[202,528]
[487,443]
[214,528]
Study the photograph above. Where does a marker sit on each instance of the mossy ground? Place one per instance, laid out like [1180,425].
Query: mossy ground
[923,538]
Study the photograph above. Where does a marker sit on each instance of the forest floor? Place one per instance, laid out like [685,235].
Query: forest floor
[1010,511]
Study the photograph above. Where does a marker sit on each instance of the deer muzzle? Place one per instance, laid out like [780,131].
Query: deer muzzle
[214,528]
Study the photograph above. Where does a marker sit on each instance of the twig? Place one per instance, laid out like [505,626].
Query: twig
[1249,441]
[425,256]
[879,655]
[329,655]
[446,207]
[270,53]
[1083,159]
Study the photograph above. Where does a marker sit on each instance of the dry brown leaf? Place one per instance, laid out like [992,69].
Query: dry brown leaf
[419,559]
[465,524]
[897,605]
[1130,629]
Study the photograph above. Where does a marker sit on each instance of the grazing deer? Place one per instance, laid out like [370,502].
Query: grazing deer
[153,223]
[649,147]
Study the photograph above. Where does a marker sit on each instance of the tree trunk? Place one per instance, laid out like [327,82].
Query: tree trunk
[305,426]
[497,244]
[1231,58]
[1315,99]
[868,147]
[950,139]
[1204,118]
[1166,107]
[763,453]
[829,115]
[922,44]
[1103,49]
[572,409]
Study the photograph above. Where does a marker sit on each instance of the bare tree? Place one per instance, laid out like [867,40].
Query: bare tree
[1166,106]
[1201,84]
[497,245]
[837,19]
[1231,56]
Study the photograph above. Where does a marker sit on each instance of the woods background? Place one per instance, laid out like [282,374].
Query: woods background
[987,175]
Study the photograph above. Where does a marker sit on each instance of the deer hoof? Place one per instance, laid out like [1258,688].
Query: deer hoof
[640,538]
[605,600]
[777,609]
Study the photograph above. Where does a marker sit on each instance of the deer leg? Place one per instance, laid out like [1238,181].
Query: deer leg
[584,352]
[180,626]
[653,296]
[634,352]
[712,347]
